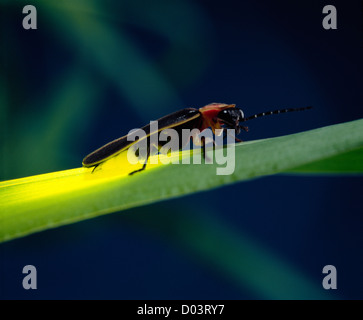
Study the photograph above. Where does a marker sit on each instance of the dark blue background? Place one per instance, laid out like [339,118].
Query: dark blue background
[68,93]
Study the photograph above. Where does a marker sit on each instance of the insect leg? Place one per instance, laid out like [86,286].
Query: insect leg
[225,133]
[144,166]
[238,140]
[95,167]
[244,128]
[205,157]
[203,147]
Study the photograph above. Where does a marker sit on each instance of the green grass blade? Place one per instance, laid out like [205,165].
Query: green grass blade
[40,202]
[346,163]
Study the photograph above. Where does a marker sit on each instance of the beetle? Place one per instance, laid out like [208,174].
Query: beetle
[214,115]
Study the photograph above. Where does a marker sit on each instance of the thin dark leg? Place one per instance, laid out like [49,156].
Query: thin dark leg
[203,149]
[144,166]
[95,167]
[225,133]
[244,129]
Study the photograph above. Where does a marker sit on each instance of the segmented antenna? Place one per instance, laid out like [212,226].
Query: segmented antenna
[262,114]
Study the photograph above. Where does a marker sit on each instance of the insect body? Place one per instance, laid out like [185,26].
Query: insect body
[214,116]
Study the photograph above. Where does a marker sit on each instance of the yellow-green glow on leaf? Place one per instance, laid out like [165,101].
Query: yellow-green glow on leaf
[49,200]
